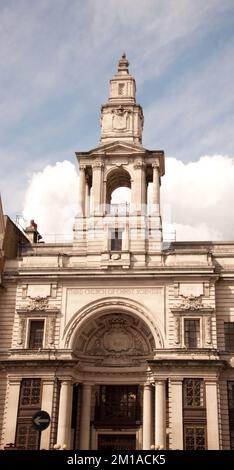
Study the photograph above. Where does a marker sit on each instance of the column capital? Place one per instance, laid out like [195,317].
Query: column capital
[147,385]
[97,164]
[65,379]
[15,380]
[138,164]
[87,384]
[160,381]
[176,380]
[212,381]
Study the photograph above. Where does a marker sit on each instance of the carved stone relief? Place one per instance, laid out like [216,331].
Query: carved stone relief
[190,302]
[21,330]
[177,330]
[115,340]
[51,331]
[39,304]
[120,118]
[208,335]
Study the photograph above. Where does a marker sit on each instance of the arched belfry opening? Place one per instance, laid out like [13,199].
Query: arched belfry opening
[118,190]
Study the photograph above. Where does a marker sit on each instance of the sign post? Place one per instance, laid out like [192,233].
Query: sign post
[41,420]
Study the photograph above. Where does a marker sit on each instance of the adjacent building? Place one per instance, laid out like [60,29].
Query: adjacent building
[125,341]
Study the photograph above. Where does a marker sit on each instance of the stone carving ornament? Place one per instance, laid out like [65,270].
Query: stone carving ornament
[177,330]
[38,304]
[120,118]
[21,330]
[117,338]
[190,302]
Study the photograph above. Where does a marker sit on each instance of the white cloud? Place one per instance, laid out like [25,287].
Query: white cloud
[57,59]
[51,200]
[197,198]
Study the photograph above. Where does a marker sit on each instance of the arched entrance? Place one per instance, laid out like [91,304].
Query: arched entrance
[112,348]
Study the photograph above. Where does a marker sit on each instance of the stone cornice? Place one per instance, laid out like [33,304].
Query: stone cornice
[188,363]
[159,271]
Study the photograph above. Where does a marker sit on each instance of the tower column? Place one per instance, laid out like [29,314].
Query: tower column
[139,186]
[160,413]
[156,188]
[82,191]
[147,416]
[87,197]
[65,408]
[97,187]
[85,417]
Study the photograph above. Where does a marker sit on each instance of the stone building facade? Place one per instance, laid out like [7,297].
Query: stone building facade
[125,342]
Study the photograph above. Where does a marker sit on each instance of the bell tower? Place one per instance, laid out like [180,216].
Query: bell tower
[123,235]
[121,118]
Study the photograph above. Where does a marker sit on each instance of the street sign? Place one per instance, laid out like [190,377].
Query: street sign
[41,420]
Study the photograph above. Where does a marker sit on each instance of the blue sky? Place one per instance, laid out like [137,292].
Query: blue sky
[57,57]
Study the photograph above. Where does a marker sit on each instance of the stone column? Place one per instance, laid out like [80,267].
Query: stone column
[176,406]
[82,192]
[147,417]
[47,405]
[138,190]
[126,235]
[160,413]
[87,198]
[97,187]
[212,415]
[12,410]
[156,188]
[85,417]
[65,409]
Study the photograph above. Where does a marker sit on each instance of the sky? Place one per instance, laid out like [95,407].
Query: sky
[57,57]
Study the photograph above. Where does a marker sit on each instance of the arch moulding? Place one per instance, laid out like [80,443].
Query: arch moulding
[110,305]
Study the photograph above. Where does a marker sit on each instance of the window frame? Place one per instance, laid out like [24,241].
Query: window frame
[29,322]
[120,240]
[199,339]
[202,393]
[195,426]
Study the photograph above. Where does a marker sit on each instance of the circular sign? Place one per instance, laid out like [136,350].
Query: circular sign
[41,420]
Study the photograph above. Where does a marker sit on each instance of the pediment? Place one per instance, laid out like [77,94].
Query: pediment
[119,148]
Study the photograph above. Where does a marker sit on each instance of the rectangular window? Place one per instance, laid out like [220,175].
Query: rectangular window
[192,333]
[229,336]
[193,393]
[30,394]
[195,437]
[27,437]
[116,240]
[231,412]
[36,334]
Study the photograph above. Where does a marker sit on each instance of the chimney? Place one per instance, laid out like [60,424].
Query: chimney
[32,232]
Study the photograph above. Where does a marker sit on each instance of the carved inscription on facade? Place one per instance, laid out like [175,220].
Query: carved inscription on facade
[114,291]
